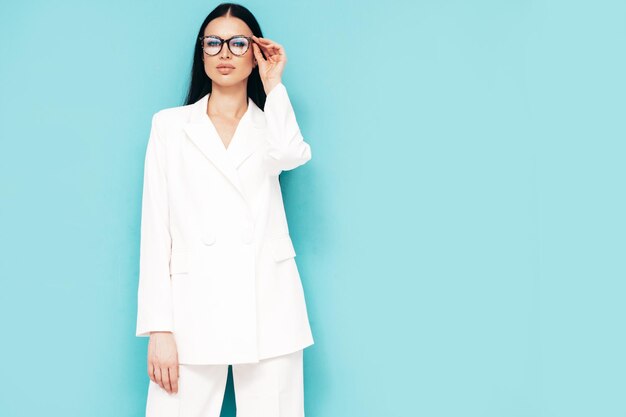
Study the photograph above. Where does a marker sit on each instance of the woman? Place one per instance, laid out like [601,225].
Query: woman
[218,282]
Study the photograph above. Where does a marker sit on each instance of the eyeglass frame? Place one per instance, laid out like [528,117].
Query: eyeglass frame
[225,41]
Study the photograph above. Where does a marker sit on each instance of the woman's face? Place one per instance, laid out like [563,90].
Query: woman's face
[225,28]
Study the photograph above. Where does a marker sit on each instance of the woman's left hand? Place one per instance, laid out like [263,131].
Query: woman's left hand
[272,65]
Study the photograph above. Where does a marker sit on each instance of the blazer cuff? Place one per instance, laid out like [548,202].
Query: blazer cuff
[143,330]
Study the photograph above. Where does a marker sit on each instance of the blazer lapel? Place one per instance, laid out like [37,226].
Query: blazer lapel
[201,131]
[248,136]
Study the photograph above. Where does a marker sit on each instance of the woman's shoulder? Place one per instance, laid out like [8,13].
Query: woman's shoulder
[172,115]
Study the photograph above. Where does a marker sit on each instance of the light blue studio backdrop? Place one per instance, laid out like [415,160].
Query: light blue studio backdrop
[459,229]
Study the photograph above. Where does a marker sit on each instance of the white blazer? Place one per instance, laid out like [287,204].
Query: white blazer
[217,264]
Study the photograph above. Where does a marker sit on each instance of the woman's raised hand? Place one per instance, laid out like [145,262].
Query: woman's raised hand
[272,65]
[163,361]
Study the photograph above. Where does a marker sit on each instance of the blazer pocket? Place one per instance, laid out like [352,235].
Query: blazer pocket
[282,248]
[179,262]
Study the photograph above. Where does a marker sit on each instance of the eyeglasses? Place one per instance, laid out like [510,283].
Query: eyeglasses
[212,44]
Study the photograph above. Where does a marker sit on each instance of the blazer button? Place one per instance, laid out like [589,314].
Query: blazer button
[208,238]
[247,235]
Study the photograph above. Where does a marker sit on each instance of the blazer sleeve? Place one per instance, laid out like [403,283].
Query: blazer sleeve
[287,149]
[154,302]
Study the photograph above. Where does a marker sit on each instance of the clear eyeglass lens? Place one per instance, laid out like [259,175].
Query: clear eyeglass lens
[211,45]
[239,46]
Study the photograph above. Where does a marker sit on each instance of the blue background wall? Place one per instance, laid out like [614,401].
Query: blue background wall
[460,228]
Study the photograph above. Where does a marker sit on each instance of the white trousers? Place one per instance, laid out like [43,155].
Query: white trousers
[273,387]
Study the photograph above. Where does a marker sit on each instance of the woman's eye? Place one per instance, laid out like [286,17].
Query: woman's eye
[213,43]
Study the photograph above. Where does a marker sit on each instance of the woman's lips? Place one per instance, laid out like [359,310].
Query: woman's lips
[225,70]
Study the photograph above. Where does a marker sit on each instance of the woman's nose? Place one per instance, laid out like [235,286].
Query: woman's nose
[225,53]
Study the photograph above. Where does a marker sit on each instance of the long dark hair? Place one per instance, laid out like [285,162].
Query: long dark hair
[200,83]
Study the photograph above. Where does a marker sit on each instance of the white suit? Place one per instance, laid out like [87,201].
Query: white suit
[217,264]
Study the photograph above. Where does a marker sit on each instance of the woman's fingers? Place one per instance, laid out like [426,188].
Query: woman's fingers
[163,361]
[271,47]
[257,52]
[165,377]
[158,377]
[261,40]
[162,376]
[174,378]
[261,49]
[266,50]
[265,41]
[151,371]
